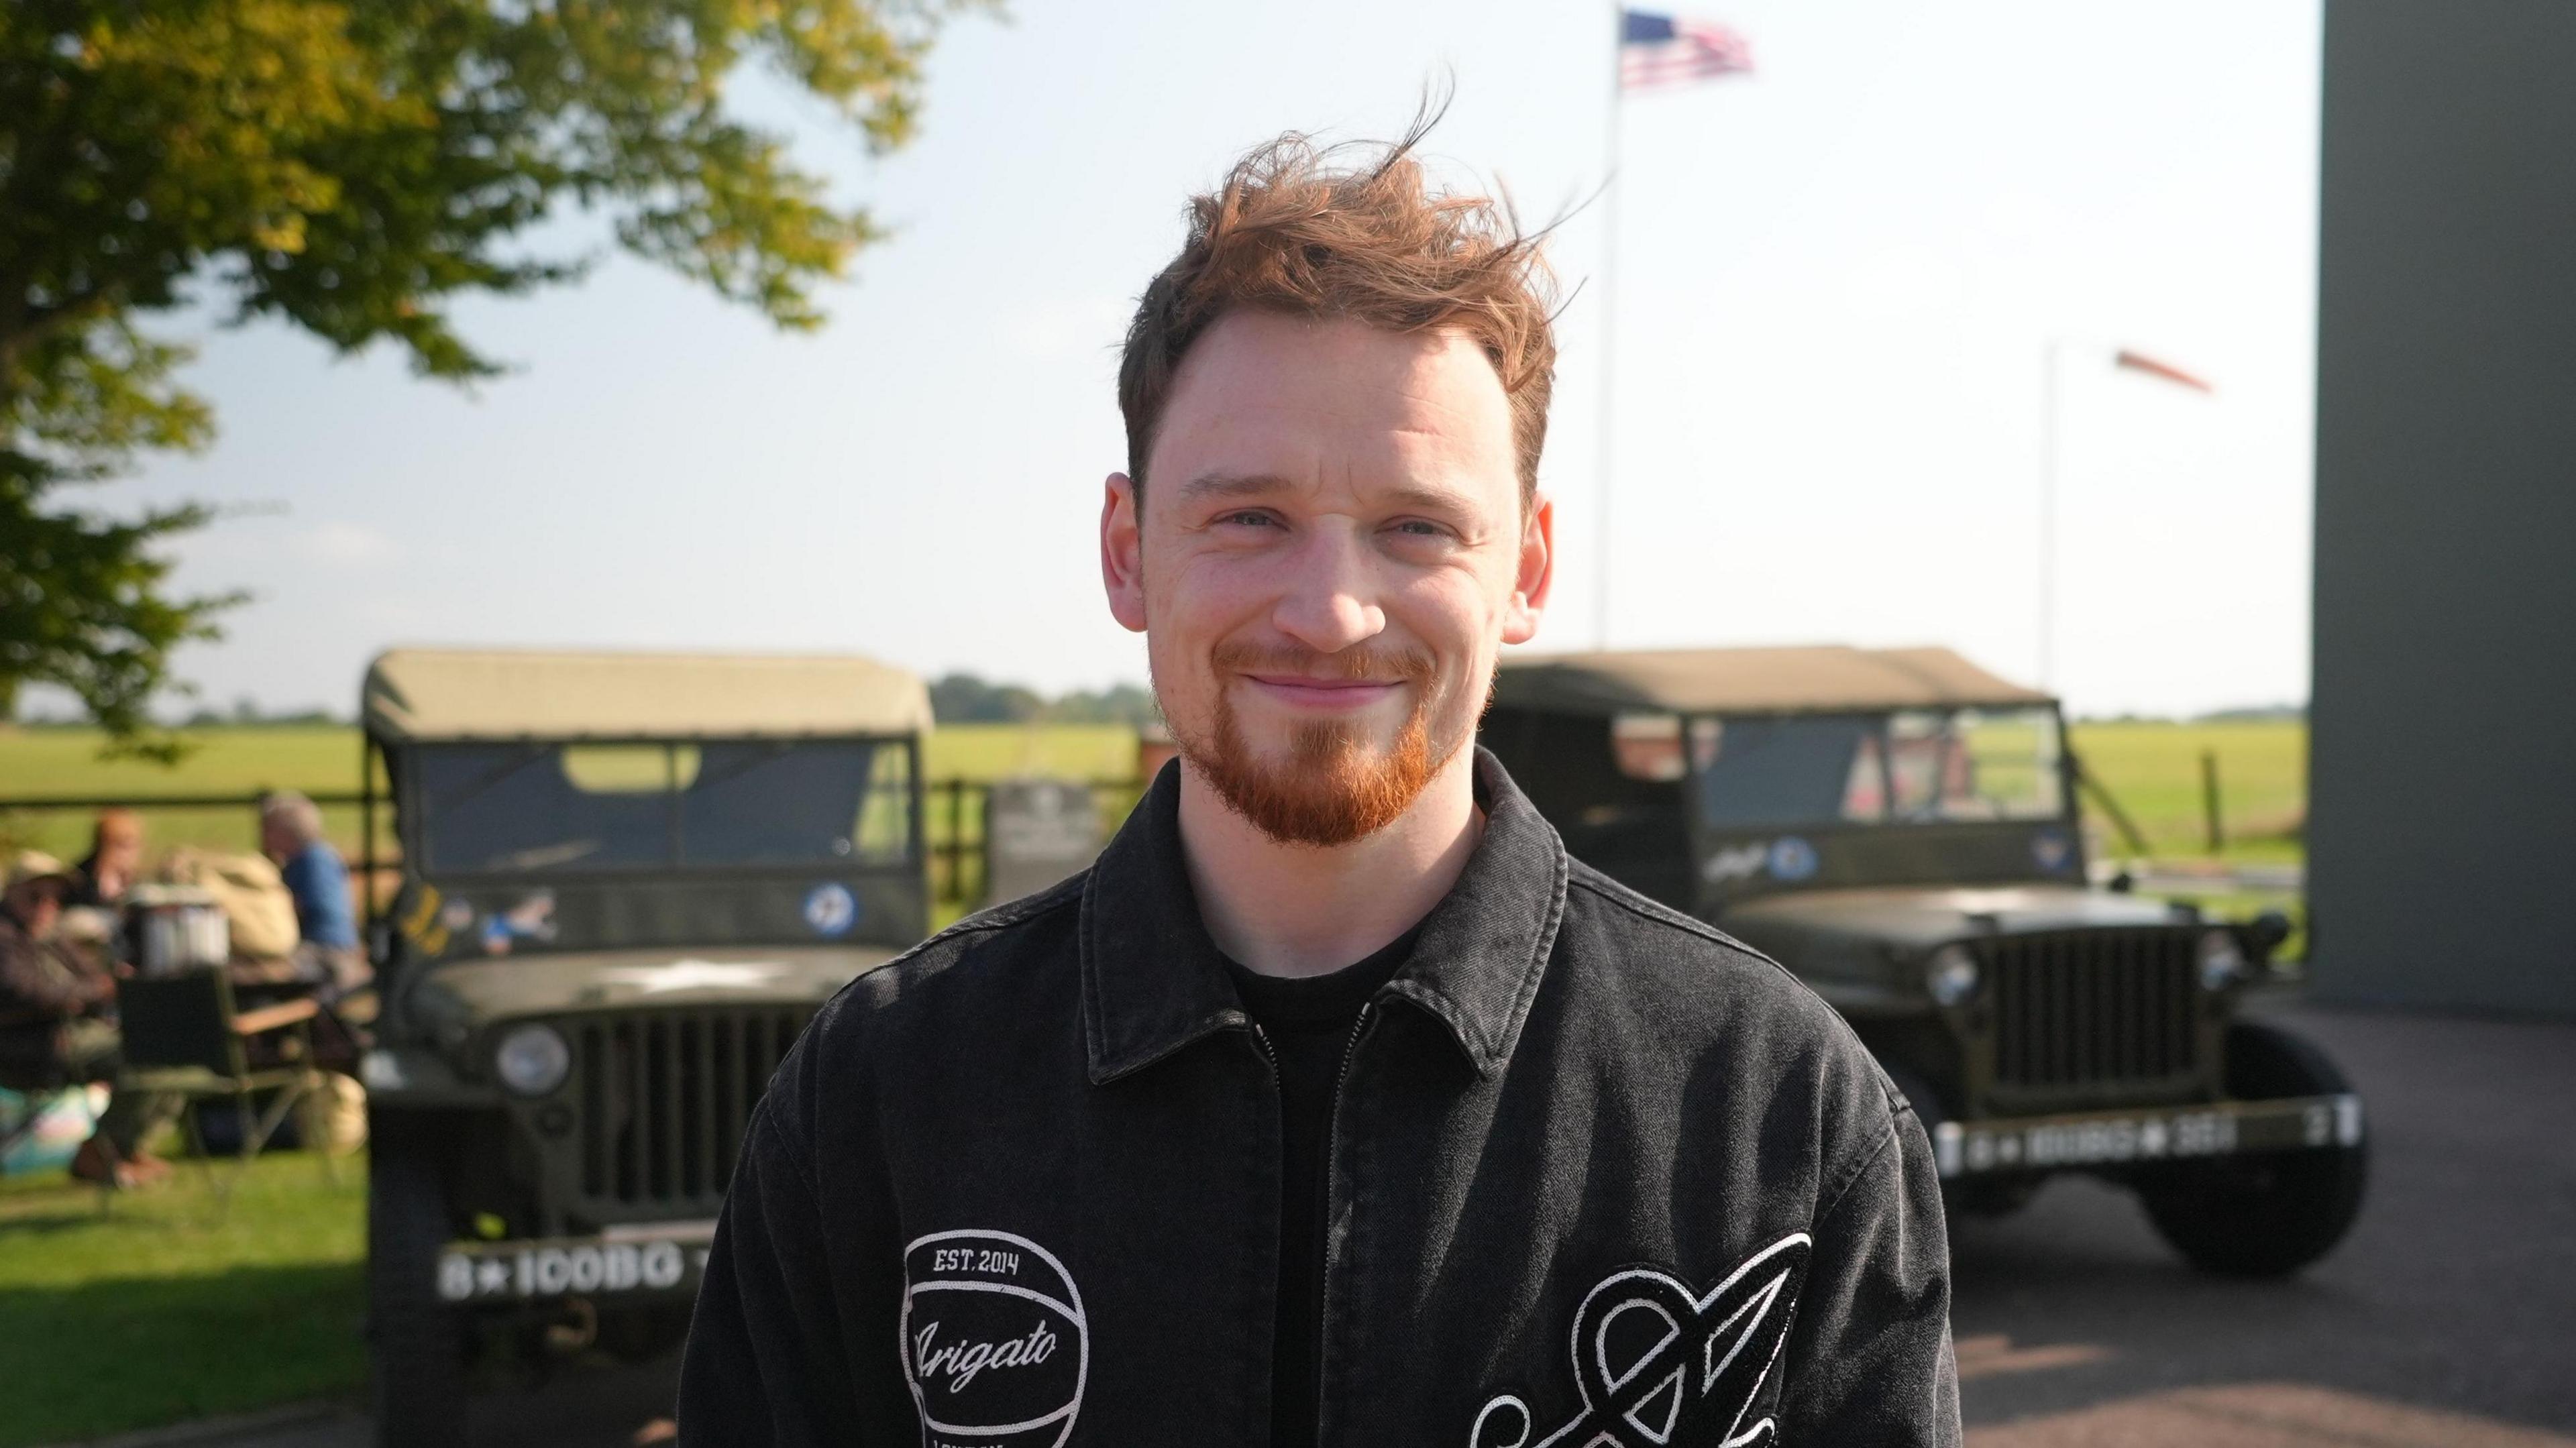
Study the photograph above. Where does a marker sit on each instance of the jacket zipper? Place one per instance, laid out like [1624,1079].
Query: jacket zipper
[1278,1092]
[1332,1135]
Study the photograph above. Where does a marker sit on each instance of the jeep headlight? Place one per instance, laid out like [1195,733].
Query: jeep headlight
[1951,975]
[2222,960]
[532,1060]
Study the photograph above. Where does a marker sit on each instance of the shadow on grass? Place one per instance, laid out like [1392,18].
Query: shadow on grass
[173,1304]
[105,1356]
[41,1223]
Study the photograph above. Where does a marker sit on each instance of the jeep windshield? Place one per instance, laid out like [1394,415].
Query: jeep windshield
[1912,766]
[540,808]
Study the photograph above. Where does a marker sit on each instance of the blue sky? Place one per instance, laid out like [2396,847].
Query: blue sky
[1836,284]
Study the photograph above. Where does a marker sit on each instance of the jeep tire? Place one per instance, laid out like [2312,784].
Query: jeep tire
[2265,1214]
[417,1342]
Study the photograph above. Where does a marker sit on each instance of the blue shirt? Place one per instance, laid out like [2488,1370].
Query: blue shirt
[320,885]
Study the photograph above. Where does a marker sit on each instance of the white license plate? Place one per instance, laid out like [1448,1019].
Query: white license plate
[2112,1138]
[513,1271]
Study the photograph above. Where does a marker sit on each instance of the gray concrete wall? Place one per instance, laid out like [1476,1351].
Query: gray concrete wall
[2443,786]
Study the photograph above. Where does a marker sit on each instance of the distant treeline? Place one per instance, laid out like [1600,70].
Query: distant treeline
[2248,714]
[244,714]
[968,699]
[248,713]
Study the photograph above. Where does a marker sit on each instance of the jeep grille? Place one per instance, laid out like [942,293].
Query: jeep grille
[663,1098]
[2093,1014]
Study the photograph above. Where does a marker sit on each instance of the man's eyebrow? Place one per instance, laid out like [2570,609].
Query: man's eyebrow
[1429,499]
[1233,487]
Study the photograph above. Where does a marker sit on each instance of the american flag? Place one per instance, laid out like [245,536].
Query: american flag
[1667,50]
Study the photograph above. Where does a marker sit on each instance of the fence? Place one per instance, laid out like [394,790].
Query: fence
[953,830]
[953,815]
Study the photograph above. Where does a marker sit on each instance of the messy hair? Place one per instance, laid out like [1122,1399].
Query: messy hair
[1350,232]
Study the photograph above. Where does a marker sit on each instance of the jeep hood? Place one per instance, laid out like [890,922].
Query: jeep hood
[474,993]
[1915,918]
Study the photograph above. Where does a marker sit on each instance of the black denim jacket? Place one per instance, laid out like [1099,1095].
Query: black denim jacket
[1598,1175]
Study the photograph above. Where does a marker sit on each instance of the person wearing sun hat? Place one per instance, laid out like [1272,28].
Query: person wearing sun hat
[52,1026]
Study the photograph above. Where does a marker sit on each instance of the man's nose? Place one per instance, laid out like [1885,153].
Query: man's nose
[1330,602]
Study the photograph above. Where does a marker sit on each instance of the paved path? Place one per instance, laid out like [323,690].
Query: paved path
[2447,1320]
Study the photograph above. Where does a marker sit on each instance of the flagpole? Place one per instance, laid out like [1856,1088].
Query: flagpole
[1606,443]
[2048,399]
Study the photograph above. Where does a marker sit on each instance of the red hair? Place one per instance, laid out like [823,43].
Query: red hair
[1293,231]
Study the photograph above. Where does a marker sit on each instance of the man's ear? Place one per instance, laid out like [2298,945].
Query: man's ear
[1536,573]
[1122,551]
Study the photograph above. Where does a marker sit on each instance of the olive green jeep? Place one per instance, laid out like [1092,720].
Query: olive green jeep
[627,881]
[1900,829]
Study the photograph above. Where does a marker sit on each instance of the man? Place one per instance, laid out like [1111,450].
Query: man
[326,953]
[51,1030]
[1334,1104]
[113,864]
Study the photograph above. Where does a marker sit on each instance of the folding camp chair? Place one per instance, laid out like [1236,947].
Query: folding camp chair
[184,1037]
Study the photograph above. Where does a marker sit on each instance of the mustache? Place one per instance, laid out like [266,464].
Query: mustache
[1351,665]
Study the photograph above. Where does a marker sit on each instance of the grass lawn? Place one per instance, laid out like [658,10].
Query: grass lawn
[2154,772]
[2153,769]
[39,762]
[167,1309]
[996,751]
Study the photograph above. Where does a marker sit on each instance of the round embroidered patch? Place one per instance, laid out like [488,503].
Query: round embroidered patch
[995,1344]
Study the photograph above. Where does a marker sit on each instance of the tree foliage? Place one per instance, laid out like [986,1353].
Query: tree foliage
[352,167]
[970,699]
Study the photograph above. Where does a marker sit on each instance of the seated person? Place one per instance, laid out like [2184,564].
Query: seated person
[114,862]
[290,833]
[50,1023]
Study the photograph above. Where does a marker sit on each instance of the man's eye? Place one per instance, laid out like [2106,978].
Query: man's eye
[1419,528]
[1247,520]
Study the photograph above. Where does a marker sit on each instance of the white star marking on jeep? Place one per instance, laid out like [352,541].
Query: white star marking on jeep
[694,975]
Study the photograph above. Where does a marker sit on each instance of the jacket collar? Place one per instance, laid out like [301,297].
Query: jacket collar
[1153,982]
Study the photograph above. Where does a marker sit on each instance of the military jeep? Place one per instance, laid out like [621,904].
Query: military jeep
[1900,828]
[627,881]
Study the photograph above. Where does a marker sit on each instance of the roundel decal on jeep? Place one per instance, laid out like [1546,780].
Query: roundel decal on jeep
[1792,858]
[831,910]
[995,1344]
[2053,851]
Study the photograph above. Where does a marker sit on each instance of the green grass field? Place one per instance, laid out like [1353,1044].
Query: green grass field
[167,1308]
[38,763]
[2153,770]
[55,762]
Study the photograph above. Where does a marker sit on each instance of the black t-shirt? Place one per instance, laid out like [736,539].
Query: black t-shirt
[1308,1024]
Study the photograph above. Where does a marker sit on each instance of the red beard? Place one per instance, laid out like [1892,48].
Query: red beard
[1332,789]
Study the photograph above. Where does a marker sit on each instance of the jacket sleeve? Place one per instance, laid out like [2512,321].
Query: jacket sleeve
[1869,1356]
[766,1362]
[35,981]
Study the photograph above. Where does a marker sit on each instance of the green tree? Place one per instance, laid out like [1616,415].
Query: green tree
[967,699]
[352,167]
